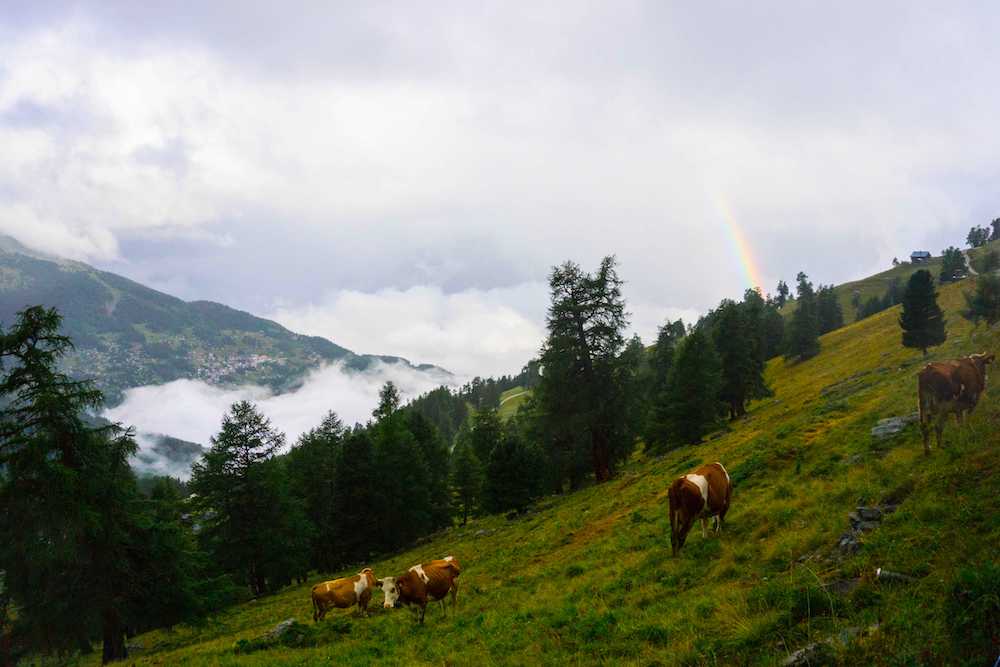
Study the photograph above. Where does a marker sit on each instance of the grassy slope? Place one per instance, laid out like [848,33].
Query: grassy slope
[588,578]
[511,401]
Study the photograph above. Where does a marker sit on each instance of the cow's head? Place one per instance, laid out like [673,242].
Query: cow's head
[981,361]
[685,504]
[390,587]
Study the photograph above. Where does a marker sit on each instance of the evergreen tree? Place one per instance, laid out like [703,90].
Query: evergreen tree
[774,332]
[244,502]
[513,476]
[978,236]
[660,363]
[988,262]
[953,266]
[435,453]
[689,408]
[783,292]
[582,382]
[78,550]
[402,508]
[356,499]
[486,433]
[984,303]
[829,311]
[312,466]
[922,321]
[803,330]
[466,476]
[995,236]
[734,343]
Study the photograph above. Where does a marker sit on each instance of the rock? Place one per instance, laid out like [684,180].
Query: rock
[890,426]
[870,513]
[854,518]
[482,532]
[848,543]
[280,629]
[855,459]
[866,526]
[889,509]
[818,653]
[134,646]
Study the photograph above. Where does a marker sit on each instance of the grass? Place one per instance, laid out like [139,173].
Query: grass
[511,401]
[588,579]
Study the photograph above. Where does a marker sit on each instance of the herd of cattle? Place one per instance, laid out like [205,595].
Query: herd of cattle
[943,388]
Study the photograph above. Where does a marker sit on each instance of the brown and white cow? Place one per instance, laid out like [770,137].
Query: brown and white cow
[704,492]
[949,387]
[421,583]
[342,593]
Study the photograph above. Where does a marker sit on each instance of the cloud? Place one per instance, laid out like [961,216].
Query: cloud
[467,149]
[480,332]
[192,410]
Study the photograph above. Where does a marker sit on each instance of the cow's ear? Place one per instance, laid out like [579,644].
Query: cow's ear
[378,582]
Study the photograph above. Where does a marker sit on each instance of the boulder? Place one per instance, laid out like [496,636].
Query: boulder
[890,426]
[870,513]
[280,629]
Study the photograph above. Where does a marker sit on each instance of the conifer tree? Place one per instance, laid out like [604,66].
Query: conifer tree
[513,476]
[689,408]
[466,476]
[487,430]
[77,550]
[244,502]
[922,321]
[984,303]
[435,453]
[312,466]
[953,265]
[782,297]
[356,499]
[582,382]
[803,331]
[742,363]
[829,311]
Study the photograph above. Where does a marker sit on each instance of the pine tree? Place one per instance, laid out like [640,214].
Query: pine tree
[978,236]
[435,453]
[953,266]
[995,236]
[582,381]
[689,408]
[735,347]
[782,297]
[77,548]
[312,471]
[922,321]
[829,311]
[466,476]
[244,503]
[513,476]
[984,303]
[803,331]
[486,433]
[356,499]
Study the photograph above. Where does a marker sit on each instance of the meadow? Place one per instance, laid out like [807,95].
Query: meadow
[587,578]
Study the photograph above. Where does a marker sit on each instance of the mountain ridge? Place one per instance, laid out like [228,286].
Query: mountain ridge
[127,334]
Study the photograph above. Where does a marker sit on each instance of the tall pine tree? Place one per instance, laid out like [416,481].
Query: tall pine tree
[922,321]
[466,476]
[803,331]
[689,408]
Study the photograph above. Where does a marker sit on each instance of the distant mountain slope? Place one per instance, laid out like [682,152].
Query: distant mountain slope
[128,335]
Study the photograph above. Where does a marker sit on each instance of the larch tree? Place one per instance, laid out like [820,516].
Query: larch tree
[582,383]
[922,321]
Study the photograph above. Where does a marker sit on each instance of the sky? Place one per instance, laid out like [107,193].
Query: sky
[401,177]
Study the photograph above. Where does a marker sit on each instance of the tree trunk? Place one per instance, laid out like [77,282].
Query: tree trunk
[600,456]
[114,637]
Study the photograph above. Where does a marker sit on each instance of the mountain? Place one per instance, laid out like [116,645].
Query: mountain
[587,577]
[128,335]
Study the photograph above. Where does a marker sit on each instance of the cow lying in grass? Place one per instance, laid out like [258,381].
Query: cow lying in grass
[704,492]
[342,593]
[427,581]
[946,387]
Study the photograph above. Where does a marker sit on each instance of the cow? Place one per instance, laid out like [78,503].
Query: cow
[702,493]
[342,593]
[426,581]
[949,387]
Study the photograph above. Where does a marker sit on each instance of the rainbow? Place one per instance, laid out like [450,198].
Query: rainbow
[741,247]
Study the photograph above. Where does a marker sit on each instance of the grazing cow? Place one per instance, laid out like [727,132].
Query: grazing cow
[342,593]
[427,581]
[946,387]
[704,492]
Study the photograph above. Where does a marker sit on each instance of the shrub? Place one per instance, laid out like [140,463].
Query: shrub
[973,610]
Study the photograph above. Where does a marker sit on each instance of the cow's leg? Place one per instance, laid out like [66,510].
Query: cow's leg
[422,612]
[454,593]
[704,527]
[925,433]
[363,602]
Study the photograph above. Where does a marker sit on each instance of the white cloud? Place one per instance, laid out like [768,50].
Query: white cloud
[192,410]
[474,332]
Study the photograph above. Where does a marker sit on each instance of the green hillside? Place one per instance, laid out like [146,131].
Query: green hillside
[128,335]
[588,578]
[511,401]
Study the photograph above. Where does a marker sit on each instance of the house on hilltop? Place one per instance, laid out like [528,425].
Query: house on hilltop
[918,256]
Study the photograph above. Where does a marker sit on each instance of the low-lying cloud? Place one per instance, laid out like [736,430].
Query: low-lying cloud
[192,410]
